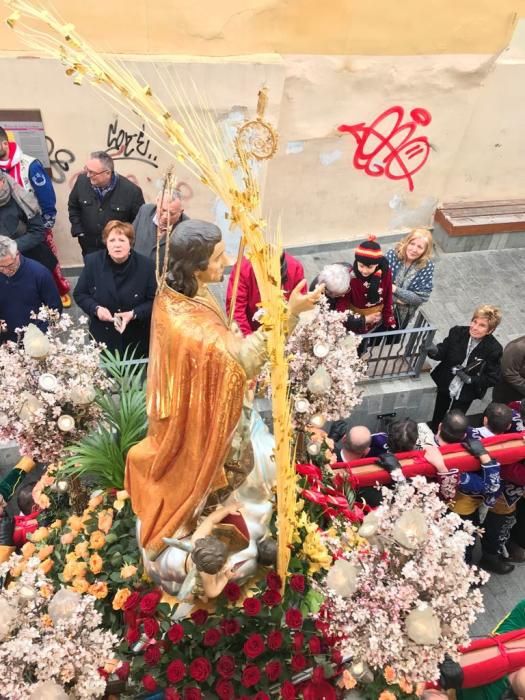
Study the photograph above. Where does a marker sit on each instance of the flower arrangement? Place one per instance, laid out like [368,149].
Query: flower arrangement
[405,597]
[51,641]
[324,368]
[48,387]
[94,553]
[237,650]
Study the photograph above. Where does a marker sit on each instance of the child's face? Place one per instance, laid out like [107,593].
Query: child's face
[366,270]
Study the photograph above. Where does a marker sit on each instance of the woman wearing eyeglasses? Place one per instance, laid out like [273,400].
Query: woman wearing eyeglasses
[101,195]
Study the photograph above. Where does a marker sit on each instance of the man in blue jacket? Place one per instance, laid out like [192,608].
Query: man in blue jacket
[29,173]
[25,286]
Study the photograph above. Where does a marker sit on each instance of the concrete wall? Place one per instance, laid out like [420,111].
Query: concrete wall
[465,135]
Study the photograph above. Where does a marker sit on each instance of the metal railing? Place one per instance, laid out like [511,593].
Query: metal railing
[397,354]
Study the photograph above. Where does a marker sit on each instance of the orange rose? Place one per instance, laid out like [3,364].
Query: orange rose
[44,552]
[105,520]
[99,589]
[387,695]
[46,620]
[55,525]
[76,523]
[39,535]
[389,674]
[67,538]
[128,570]
[46,591]
[80,585]
[97,540]
[95,501]
[405,686]
[45,567]
[28,550]
[120,598]
[69,571]
[80,569]
[71,556]
[81,550]
[95,563]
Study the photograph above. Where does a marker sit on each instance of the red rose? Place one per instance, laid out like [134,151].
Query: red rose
[132,601]
[149,602]
[272,598]
[211,637]
[122,671]
[250,676]
[253,646]
[298,662]
[261,696]
[200,616]
[152,654]
[252,606]
[293,618]
[224,690]
[151,627]
[226,666]
[149,682]
[132,635]
[175,671]
[297,583]
[232,591]
[230,627]
[175,633]
[192,693]
[288,691]
[273,581]
[298,641]
[171,694]
[318,674]
[200,669]
[314,644]
[273,670]
[275,640]
[337,657]
[130,617]
[321,627]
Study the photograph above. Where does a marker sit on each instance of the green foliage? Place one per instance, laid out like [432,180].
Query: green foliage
[101,455]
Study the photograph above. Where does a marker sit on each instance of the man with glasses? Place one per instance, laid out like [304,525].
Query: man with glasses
[25,286]
[100,195]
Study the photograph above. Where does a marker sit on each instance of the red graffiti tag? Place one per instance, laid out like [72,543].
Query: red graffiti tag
[386,147]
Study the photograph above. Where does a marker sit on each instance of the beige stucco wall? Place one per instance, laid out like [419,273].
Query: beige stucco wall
[231,27]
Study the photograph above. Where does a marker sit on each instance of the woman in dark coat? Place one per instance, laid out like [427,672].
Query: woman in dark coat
[469,363]
[116,289]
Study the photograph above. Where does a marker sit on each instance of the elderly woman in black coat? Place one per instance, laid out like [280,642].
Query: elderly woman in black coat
[469,362]
[116,289]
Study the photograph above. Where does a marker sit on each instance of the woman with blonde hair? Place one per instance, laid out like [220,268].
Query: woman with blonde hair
[412,273]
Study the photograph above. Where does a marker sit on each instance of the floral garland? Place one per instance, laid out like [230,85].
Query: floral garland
[51,640]
[48,387]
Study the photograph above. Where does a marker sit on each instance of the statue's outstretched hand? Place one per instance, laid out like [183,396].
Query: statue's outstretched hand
[300,301]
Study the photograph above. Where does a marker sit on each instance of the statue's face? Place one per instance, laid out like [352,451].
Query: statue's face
[217,263]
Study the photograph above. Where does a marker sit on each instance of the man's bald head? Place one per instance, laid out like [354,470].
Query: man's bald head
[357,441]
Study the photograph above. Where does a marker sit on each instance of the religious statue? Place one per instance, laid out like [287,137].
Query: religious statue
[185,478]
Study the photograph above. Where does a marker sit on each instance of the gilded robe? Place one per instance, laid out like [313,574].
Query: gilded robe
[195,390]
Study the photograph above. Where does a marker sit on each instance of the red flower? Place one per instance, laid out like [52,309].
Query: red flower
[232,591]
[224,690]
[298,662]
[275,640]
[176,633]
[211,637]
[226,666]
[132,601]
[273,581]
[130,617]
[230,627]
[273,670]
[298,641]
[151,627]
[152,654]
[318,688]
[253,646]
[293,618]
[192,693]
[252,606]
[261,696]
[250,676]
[149,682]
[272,598]
[314,644]
[297,583]
[200,669]
[288,691]
[171,694]
[199,617]
[132,635]
[321,627]
[122,671]
[175,671]
[149,602]
[337,657]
